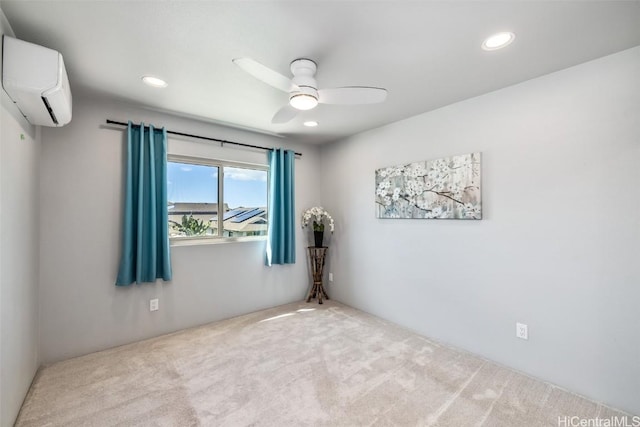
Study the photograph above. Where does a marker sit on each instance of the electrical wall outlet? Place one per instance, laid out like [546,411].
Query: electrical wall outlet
[153,304]
[331,277]
[522,331]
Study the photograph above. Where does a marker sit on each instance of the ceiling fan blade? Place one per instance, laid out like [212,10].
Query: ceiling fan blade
[265,74]
[285,114]
[352,95]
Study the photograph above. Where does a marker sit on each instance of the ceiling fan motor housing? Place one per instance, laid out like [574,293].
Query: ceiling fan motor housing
[304,71]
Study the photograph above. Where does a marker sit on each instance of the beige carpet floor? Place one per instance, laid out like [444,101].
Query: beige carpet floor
[294,365]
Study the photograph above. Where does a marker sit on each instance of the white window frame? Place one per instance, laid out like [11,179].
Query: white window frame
[220,164]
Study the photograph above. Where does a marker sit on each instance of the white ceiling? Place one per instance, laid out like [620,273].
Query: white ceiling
[426,53]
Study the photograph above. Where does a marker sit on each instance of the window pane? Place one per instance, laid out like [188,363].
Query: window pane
[192,191]
[245,202]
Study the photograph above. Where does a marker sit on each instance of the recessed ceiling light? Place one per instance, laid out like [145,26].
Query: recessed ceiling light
[311,124]
[498,41]
[154,81]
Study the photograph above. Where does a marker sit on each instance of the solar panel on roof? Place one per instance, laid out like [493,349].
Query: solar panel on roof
[233,212]
[248,215]
[245,215]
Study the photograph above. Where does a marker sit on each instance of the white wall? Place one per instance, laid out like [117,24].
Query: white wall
[19,210]
[559,245]
[82,180]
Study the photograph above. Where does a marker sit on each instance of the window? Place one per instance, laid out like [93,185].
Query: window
[210,199]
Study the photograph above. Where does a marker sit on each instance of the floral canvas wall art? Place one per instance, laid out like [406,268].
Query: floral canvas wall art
[443,188]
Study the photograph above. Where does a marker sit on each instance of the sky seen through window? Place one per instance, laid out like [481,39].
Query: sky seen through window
[189,183]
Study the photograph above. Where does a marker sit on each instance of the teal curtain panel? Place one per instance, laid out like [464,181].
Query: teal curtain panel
[145,235]
[281,242]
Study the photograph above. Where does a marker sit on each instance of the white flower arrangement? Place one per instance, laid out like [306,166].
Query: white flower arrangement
[318,214]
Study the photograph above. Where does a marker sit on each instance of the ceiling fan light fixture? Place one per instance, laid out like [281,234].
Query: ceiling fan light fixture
[302,101]
[498,41]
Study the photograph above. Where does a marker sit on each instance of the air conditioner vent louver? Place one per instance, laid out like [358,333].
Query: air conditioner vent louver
[51,113]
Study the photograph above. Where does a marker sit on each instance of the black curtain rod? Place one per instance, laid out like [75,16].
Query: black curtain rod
[222,141]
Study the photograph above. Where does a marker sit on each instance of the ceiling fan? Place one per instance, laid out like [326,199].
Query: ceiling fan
[303,90]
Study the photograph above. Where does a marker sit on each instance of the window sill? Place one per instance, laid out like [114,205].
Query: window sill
[197,241]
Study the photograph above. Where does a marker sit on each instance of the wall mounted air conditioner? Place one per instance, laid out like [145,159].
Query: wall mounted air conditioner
[36,80]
